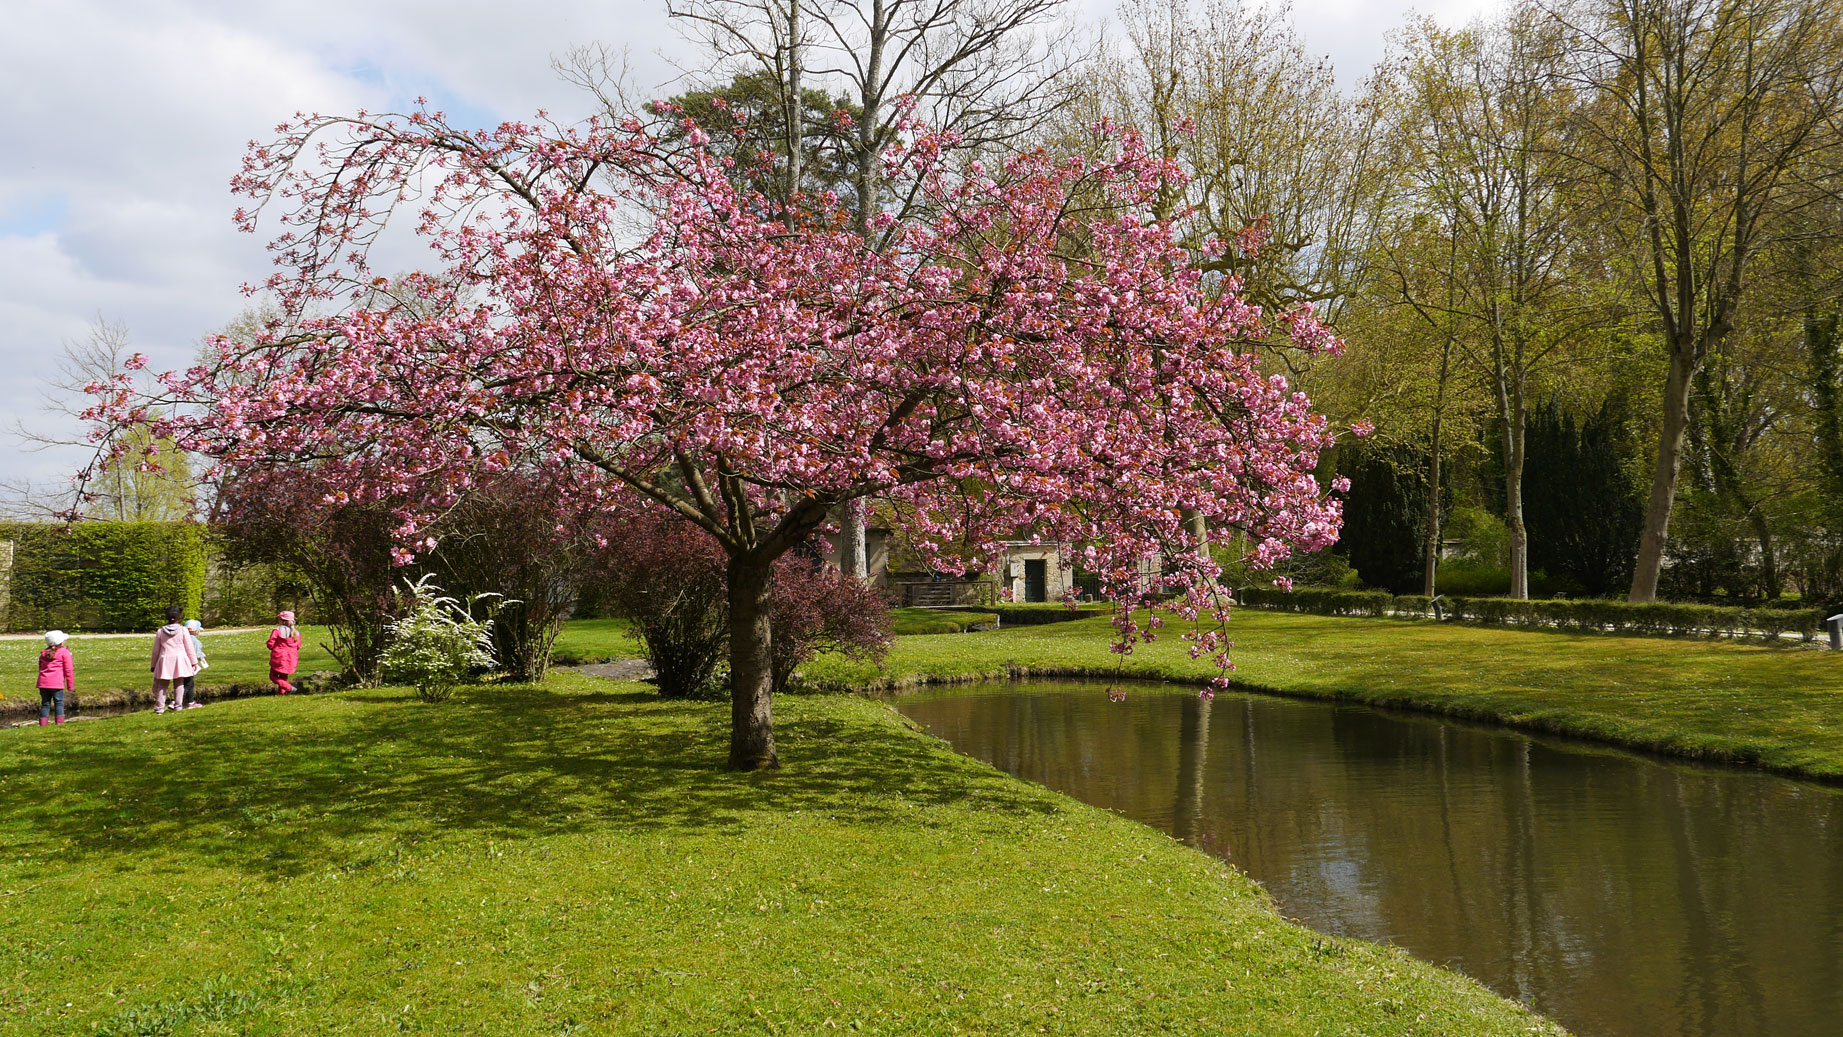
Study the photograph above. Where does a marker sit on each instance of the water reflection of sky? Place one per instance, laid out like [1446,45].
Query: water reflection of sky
[1619,894]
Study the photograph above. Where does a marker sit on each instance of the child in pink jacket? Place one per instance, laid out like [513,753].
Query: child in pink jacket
[174,659]
[57,674]
[284,653]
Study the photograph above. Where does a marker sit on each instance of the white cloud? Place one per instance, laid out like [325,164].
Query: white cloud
[123,124]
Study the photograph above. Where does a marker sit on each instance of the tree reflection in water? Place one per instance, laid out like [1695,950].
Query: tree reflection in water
[1619,894]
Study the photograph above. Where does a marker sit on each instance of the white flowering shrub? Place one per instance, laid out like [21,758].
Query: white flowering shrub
[438,642]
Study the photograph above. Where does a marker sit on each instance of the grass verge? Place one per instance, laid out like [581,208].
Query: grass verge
[1776,708]
[113,672]
[570,860]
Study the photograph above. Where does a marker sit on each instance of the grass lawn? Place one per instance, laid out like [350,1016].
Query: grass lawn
[594,641]
[1780,708]
[570,860]
[107,663]
[907,621]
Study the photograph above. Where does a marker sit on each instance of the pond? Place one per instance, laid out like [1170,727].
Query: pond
[1616,893]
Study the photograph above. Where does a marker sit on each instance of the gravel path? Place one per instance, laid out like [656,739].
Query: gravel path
[620,670]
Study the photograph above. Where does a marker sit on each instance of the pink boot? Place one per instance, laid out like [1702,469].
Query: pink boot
[42,721]
[60,720]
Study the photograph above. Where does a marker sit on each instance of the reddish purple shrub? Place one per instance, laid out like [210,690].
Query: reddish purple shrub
[817,608]
[668,578]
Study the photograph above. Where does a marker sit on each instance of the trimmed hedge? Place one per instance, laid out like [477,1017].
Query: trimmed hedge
[1670,619]
[102,576]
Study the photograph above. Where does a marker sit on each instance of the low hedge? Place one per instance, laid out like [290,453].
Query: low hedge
[1670,619]
[1019,614]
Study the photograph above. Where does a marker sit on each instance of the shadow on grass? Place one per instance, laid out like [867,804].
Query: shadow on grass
[358,779]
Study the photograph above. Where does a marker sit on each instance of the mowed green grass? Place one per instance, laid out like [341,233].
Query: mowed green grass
[908,621]
[104,663]
[571,859]
[595,641]
[1775,707]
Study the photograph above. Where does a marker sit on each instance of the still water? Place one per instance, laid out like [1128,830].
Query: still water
[1615,893]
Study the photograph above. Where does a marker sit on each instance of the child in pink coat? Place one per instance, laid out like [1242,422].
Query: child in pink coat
[57,674]
[174,659]
[284,653]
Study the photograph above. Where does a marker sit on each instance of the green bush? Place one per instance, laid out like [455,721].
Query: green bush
[104,576]
[1468,578]
[437,643]
[1485,540]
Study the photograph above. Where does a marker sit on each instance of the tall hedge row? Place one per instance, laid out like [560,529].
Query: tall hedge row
[1673,619]
[102,576]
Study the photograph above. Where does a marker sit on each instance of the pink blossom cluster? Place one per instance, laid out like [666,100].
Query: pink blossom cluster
[1035,353]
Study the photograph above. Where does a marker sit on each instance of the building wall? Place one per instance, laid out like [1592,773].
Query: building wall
[1058,575]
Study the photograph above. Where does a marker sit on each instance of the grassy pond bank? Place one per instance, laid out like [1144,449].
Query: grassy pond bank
[1777,708]
[567,859]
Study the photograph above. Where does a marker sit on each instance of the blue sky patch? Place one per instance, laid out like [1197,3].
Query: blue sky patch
[30,213]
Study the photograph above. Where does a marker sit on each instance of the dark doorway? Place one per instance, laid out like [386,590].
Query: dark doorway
[1036,579]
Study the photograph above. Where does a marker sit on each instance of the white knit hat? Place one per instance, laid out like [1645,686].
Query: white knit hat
[54,638]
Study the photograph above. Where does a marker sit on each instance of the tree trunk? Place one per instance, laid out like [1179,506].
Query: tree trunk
[1431,555]
[1826,364]
[794,116]
[1508,388]
[1198,525]
[853,554]
[1514,442]
[751,589]
[1769,561]
[853,541]
[1663,479]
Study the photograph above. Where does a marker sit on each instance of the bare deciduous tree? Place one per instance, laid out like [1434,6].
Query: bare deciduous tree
[150,483]
[1487,170]
[1264,132]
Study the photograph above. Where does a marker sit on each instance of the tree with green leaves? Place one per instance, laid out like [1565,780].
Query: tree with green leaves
[1702,126]
[1485,120]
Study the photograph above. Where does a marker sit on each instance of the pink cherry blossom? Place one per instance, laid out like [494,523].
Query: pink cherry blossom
[1035,353]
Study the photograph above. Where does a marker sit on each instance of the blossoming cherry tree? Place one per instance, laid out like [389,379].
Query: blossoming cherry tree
[1037,353]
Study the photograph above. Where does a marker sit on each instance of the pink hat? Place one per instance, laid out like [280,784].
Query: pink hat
[286,617]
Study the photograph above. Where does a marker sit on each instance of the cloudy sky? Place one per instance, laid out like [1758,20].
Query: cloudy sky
[123,121]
